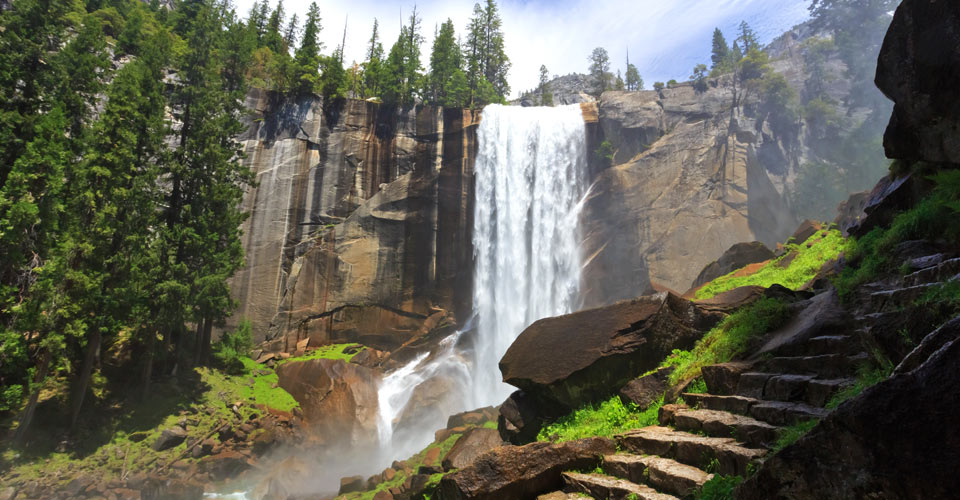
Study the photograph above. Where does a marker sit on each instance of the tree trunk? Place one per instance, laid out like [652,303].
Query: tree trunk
[198,347]
[27,416]
[147,374]
[205,345]
[83,383]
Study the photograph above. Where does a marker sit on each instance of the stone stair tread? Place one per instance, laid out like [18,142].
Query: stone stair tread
[664,474]
[602,487]
[720,423]
[823,365]
[772,412]
[691,449]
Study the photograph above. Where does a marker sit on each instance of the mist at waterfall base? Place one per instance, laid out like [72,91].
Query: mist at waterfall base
[530,185]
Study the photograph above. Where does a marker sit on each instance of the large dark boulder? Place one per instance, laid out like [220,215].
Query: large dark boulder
[647,389]
[474,443]
[736,257]
[523,472]
[897,440]
[570,360]
[521,417]
[918,68]
[891,196]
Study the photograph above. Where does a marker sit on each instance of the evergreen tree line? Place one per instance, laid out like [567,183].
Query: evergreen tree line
[472,73]
[120,182]
[602,79]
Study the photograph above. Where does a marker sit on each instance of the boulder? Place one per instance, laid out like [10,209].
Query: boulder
[593,351]
[722,378]
[471,445]
[521,418]
[897,439]
[522,472]
[352,484]
[918,69]
[169,438]
[647,389]
[890,197]
[339,399]
[475,417]
[225,464]
[736,257]
[850,212]
[171,489]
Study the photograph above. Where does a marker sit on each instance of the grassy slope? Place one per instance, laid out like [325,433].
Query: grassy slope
[811,255]
[125,442]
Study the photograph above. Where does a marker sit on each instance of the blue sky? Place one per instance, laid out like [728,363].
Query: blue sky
[666,38]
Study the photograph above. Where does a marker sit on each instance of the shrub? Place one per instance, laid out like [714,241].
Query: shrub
[604,419]
[604,153]
[232,347]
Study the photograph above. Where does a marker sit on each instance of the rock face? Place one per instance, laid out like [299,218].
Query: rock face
[593,351]
[736,257]
[339,400]
[918,69]
[693,176]
[898,439]
[360,223]
[522,472]
[472,445]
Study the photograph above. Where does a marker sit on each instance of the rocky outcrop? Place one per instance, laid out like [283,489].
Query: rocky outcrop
[474,443]
[339,400]
[593,351]
[522,472]
[736,257]
[896,440]
[918,69]
[359,225]
[692,176]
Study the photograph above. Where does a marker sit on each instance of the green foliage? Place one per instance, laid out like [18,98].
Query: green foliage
[600,70]
[790,434]
[604,419]
[658,86]
[672,83]
[868,374]
[934,217]
[699,78]
[233,347]
[807,260]
[543,89]
[633,79]
[604,153]
[778,104]
[332,351]
[731,338]
[487,63]
[719,487]
[720,52]
[698,386]
[448,84]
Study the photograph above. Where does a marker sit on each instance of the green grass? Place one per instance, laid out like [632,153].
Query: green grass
[207,397]
[790,435]
[720,487]
[932,218]
[333,351]
[604,419]
[414,463]
[698,386]
[824,247]
[731,338]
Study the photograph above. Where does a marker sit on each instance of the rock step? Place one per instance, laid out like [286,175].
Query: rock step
[560,495]
[718,423]
[891,300]
[943,270]
[823,344]
[772,412]
[823,365]
[663,474]
[790,387]
[601,487]
[691,449]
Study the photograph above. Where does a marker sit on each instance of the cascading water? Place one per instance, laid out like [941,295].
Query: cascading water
[530,183]
[530,180]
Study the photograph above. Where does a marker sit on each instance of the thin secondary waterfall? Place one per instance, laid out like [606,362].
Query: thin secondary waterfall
[530,180]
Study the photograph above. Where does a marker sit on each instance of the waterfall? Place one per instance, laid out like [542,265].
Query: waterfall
[530,180]
[530,185]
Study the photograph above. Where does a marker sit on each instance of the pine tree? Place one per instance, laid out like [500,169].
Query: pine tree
[373,67]
[747,38]
[306,63]
[445,60]
[486,59]
[273,38]
[543,89]
[600,70]
[699,78]
[720,54]
[292,32]
[402,68]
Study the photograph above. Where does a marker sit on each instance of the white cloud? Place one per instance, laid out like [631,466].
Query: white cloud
[666,38]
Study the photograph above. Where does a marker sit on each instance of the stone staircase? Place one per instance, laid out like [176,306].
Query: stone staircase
[725,431]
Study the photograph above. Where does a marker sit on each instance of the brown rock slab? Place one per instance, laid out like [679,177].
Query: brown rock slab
[601,486]
[470,446]
[664,474]
[169,438]
[351,484]
[647,389]
[521,472]
[722,378]
[690,449]
[596,349]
